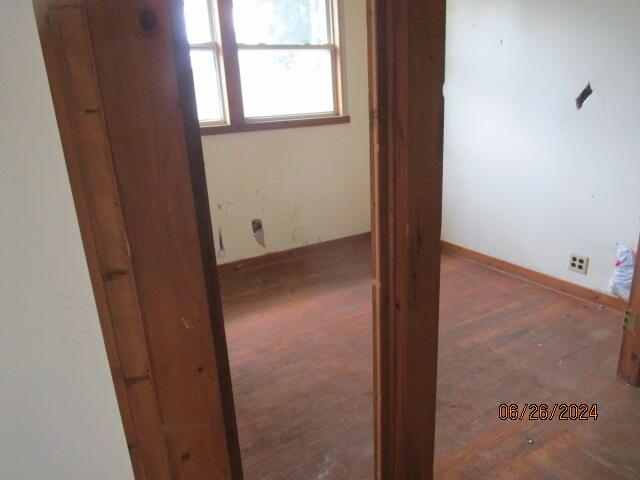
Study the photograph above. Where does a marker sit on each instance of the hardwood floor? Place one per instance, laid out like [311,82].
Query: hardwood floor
[299,334]
[503,340]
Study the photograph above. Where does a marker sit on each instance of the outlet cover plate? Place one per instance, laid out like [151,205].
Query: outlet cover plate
[579,264]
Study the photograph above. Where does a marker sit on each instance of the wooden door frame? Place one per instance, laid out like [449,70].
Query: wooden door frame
[133,152]
[407,118]
[629,362]
[136,169]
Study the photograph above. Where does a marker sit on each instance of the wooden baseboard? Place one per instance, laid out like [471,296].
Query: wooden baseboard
[277,257]
[538,278]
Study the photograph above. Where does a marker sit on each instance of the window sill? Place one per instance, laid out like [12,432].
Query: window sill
[274,125]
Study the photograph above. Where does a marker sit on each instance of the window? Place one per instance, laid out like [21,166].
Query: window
[206,50]
[265,63]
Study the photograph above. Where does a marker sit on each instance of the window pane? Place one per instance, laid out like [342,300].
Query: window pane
[196,16]
[207,85]
[280,21]
[286,82]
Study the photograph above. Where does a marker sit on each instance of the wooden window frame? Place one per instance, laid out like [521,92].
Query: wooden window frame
[215,46]
[231,85]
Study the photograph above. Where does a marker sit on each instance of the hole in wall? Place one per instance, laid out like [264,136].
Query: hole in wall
[584,95]
[258,231]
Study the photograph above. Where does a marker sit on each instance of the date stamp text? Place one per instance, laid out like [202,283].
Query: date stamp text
[545,411]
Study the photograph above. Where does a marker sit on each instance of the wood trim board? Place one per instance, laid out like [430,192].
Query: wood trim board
[629,363]
[274,125]
[406,77]
[123,96]
[277,257]
[546,281]
[538,278]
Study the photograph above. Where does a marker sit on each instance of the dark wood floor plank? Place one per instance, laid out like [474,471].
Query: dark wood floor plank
[299,338]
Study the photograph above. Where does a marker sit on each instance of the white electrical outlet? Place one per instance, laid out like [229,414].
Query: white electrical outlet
[579,264]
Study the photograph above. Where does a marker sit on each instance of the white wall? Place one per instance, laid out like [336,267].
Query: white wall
[58,414]
[306,184]
[528,178]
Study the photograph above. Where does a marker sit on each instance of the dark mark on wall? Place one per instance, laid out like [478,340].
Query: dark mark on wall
[220,243]
[586,93]
[258,231]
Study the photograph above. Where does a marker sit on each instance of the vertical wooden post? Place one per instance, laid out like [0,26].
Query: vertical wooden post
[123,93]
[629,363]
[406,41]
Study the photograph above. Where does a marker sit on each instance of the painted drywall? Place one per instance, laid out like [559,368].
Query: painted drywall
[527,177]
[58,413]
[306,184]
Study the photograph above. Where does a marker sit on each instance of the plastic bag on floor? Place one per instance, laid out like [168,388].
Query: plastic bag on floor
[620,284]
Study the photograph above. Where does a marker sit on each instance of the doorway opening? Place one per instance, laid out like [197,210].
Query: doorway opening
[529,332]
[290,234]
